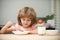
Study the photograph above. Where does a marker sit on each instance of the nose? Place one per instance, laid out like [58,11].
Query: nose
[25,21]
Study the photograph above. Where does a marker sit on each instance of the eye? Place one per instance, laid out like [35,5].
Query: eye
[23,19]
[28,20]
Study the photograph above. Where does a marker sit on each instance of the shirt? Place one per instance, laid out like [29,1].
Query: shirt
[19,27]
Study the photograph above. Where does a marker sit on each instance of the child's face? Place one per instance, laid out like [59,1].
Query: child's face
[25,22]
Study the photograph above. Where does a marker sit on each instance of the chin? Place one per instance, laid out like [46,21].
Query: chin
[25,26]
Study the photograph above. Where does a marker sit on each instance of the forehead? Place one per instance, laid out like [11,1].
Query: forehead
[25,18]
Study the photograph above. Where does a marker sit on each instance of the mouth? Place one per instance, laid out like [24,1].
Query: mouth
[25,24]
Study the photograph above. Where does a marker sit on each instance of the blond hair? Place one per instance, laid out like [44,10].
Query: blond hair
[27,12]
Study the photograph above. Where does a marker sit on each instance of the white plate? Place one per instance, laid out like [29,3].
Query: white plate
[52,31]
[20,32]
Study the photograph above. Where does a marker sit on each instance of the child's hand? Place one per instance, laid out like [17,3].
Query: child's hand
[4,29]
[33,31]
[9,23]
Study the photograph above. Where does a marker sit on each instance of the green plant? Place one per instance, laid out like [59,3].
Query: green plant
[49,17]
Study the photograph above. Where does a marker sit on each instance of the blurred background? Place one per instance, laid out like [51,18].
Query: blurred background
[10,8]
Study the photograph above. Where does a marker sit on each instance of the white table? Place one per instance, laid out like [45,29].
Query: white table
[29,37]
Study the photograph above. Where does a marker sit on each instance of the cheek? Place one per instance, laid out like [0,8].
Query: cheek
[29,22]
[22,21]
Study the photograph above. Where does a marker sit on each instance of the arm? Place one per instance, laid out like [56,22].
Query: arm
[35,31]
[4,29]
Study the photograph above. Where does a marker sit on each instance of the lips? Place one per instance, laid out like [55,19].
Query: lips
[25,24]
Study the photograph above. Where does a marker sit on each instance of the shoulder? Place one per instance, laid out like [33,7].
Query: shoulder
[34,26]
[16,24]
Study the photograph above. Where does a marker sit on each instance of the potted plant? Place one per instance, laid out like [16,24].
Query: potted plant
[50,20]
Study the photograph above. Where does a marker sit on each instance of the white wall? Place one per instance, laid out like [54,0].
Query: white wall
[58,14]
[0,11]
[9,8]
